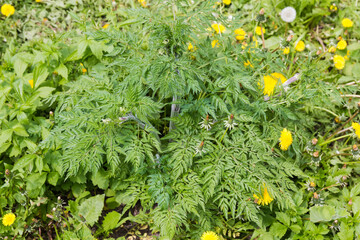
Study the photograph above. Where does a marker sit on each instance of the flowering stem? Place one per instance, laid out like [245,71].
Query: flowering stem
[224,134]
[334,185]
[328,111]
[262,36]
[335,139]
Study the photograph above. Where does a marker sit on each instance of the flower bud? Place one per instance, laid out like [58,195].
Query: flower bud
[316,154]
[314,141]
[7,172]
[316,196]
[355,147]
[350,201]
[262,11]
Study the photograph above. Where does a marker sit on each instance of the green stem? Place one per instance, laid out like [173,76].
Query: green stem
[328,111]
[335,139]
[224,134]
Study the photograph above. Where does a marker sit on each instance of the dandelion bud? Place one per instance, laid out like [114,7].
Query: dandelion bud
[344,178]
[7,172]
[289,38]
[316,196]
[355,147]
[232,116]
[312,184]
[51,113]
[336,221]
[54,209]
[350,201]
[262,11]
[59,198]
[316,154]
[318,52]
[201,144]
[314,141]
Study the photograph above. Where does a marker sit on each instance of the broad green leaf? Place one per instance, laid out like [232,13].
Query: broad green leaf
[20,130]
[39,163]
[35,181]
[97,48]
[62,71]
[44,92]
[91,208]
[5,135]
[53,178]
[346,232]
[283,218]
[100,179]
[353,46]
[111,220]
[40,74]
[24,161]
[277,229]
[19,67]
[321,213]
[355,204]
[4,147]
[355,190]
[3,202]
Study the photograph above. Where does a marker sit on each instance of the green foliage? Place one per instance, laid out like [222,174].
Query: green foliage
[129,124]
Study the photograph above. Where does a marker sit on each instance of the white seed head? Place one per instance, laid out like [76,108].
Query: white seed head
[288,14]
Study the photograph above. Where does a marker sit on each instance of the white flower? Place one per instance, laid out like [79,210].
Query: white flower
[200,149]
[106,120]
[288,14]
[206,123]
[230,124]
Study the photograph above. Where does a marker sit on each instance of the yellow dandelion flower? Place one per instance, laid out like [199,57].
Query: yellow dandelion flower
[339,62]
[285,139]
[258,30]
[269,85]
[356,127]
[264,199]
[227,2]
[214,43]
[333,8]
[248,63]
[7,10]
[191,47]
[106,26]
[31,82]
[300,46]
[83,70]
[347,23]
[332,49]
[341,44]
[8,219]
[312,184]
[286,50]
[38,1]
[279,76]
[209,235]
[240,34]
[219,28]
